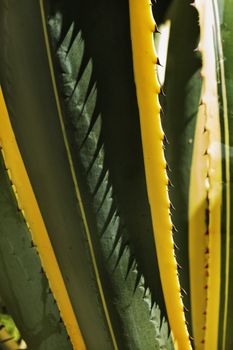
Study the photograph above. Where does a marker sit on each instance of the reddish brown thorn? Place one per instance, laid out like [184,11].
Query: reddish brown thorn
[156,30]
[165,139]
[179,267]
[170,183]
[162,91]
[185,309]
[161,111]
[158,62]
[172,206]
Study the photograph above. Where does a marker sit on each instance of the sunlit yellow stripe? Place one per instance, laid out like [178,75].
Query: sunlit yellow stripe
[198,229]
[212,126]
[144,60]
[27,202]
[227,163]
[74,177]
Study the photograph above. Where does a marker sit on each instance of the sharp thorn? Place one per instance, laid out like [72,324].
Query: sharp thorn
[158,62]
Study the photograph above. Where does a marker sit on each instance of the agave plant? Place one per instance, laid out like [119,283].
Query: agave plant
[115,173]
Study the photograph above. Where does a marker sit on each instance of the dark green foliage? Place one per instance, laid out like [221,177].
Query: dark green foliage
[109,47]
[94,85]
[24,287]
[160,9]
[222,32]
[182,89]
[95,82]
[121,279]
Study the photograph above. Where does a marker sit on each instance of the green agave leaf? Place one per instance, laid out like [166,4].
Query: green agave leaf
[117,103]
[219,318]
[182,88]
[153,140]
[225,61]
[71,111]
[80,96]
[205,246]
[24,288]
[160,8]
